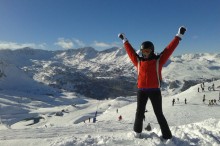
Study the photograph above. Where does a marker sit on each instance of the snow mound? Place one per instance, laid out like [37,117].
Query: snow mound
[205,133]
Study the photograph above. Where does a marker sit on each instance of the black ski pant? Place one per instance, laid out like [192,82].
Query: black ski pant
[156,100]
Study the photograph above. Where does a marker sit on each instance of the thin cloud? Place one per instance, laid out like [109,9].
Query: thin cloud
[101,44]
[105,45]
[65,43]
[79,43]
[14,45]
[76,43]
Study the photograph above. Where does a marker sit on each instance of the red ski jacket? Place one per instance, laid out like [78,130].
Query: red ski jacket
[147,68]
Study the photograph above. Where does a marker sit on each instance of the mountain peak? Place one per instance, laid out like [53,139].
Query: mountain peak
[86,49]
[113,49]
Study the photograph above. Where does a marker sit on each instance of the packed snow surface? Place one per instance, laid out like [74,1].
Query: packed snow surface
[67,124]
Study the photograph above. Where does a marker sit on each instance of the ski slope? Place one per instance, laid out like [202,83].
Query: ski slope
[36,122]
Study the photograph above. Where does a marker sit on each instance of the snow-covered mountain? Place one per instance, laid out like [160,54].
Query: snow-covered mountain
[84,71]
[37,109]
[96,73]
[181,72]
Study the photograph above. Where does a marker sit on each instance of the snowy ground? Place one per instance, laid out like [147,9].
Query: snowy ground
[25,120]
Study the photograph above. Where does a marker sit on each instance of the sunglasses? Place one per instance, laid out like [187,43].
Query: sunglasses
[146,50]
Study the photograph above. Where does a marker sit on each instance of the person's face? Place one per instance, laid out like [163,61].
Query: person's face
[146,52]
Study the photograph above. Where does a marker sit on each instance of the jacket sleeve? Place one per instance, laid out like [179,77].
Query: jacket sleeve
[167,52]
[131,53]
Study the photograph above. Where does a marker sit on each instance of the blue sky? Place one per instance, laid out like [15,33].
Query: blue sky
[64,24]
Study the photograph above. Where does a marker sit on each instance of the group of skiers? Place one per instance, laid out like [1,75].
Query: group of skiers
[211,101]
[210,88]
[89,119]
[202,86]
[178,101]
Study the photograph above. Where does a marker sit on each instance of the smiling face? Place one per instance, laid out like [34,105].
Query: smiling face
[146,52]
[147,49]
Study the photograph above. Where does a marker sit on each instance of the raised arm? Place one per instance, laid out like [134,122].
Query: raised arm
[167,52]
[129,49]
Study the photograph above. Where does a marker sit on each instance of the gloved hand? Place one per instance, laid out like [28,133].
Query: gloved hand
[122,36]
[181,32]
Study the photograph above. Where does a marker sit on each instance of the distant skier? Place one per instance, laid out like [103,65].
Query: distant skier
[213,87]
[214,101]
[203,98]
[198,89]
[120,118]
[209,103]
[202,87]
[94,119]
[149,67]
[185,101]
[173,101]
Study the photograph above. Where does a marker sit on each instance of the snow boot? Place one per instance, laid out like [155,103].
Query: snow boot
[137,135]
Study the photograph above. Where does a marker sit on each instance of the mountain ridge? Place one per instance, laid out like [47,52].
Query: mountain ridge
[86,70]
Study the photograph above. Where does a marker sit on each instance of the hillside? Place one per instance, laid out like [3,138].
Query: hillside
[43,99]
[86,71]
[194,123]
